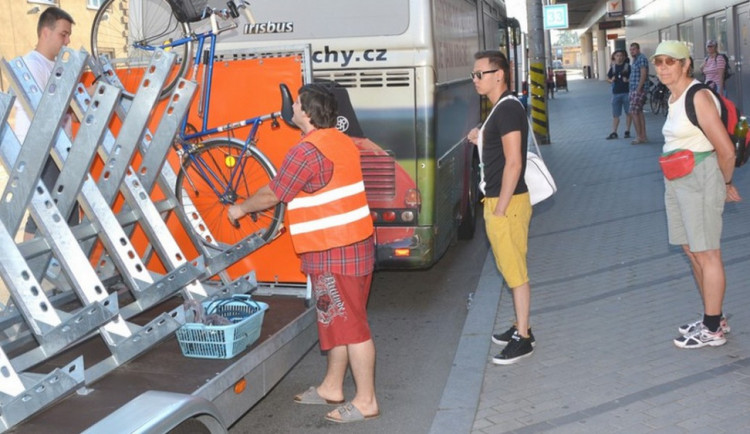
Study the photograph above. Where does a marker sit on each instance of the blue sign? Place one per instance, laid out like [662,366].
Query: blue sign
[556,16]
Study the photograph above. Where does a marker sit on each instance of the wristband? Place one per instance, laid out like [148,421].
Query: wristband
[728,182]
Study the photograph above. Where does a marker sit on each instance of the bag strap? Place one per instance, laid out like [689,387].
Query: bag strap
[690,104]
[530,131]
[528,120]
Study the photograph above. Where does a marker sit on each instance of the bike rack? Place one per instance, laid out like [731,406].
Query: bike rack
[78,305]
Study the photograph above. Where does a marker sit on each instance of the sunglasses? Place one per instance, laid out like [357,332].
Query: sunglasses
[478,74]
[669,61]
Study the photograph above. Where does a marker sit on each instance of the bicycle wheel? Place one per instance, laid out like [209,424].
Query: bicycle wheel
[655,102]
[204,179]
[120,26]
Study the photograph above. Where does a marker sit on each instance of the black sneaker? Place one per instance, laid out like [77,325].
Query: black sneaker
[627,134]
[502,339]
[517,349]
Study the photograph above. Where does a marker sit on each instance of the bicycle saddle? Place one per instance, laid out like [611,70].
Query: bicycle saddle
[286,105]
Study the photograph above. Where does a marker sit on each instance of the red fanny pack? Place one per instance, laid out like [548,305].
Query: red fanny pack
[677,164]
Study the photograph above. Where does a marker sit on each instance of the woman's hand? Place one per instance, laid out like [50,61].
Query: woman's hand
[732,194]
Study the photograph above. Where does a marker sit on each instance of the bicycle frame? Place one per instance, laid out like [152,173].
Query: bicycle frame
[255,122]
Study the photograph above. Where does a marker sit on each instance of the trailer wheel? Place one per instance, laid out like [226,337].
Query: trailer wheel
[191,426]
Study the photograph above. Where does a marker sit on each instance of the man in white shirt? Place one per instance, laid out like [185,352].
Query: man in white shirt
[53,32]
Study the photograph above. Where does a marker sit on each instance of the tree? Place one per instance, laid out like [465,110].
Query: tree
[567,38]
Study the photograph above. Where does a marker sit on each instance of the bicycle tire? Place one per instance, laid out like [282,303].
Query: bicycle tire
[220,156]
[115,29]
[655,102]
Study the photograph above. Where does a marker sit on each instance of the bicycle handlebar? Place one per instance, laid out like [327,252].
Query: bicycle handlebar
[231,12]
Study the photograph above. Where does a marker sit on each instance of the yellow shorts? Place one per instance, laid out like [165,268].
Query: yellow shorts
[509,237]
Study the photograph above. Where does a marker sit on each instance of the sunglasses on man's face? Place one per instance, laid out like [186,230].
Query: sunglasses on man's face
[478,74]
[669,61]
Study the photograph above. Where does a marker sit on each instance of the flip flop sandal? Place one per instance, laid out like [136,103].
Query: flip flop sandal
[310,396]
[349,413]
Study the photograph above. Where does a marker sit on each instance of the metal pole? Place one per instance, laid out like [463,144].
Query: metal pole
[537,62]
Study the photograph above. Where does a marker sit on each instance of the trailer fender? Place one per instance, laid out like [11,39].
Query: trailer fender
[159,412]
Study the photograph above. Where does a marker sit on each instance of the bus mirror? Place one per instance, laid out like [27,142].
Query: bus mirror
[286,105]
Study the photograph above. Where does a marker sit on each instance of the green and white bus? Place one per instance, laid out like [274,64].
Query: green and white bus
[405,65]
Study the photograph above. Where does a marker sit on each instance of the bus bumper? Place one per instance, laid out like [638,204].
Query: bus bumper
[404,247]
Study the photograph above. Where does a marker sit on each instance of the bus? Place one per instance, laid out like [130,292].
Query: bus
[405,65]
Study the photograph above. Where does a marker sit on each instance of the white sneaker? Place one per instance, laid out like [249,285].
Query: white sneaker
[701,338]
[694,326]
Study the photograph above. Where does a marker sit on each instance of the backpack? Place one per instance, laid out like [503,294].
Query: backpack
[730,115]
[727,68]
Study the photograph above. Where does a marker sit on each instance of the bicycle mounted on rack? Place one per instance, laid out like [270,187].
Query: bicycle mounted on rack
[215,171]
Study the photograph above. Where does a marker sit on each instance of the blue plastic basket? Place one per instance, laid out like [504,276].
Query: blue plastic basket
[223,341]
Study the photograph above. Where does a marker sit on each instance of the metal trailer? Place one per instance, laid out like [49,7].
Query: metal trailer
[91,348]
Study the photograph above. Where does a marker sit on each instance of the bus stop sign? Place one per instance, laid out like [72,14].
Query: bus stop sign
[556,16]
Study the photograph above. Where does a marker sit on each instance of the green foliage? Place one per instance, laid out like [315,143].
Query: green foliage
[567,38]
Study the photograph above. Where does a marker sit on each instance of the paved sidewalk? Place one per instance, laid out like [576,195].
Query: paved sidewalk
[608,293]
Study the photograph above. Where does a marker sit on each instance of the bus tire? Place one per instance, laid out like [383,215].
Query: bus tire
[468,224]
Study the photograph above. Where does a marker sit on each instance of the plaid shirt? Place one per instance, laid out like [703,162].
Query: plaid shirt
[639,62]
[306,169]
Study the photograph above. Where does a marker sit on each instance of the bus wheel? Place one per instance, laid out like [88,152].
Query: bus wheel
[469,218]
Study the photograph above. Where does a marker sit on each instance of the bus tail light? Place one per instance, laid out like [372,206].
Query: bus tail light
[389,216]
[412,198]
[401,252]
[407,216]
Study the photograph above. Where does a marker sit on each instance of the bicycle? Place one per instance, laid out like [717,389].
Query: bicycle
[659,97]
[215,172]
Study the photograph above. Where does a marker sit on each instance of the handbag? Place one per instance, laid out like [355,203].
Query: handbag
[677,164]
[538,178]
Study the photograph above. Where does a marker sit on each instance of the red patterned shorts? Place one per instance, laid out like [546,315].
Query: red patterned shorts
[341,304]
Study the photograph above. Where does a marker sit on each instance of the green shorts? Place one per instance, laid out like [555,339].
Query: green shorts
[695,204]
[509,237]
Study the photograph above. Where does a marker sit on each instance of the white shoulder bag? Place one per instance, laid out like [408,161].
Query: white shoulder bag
[538,178]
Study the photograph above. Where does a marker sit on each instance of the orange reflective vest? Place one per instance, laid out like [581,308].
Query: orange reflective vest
[336,215]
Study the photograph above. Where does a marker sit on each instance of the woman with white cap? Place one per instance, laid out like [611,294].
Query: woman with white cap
[695,193]
[714,66]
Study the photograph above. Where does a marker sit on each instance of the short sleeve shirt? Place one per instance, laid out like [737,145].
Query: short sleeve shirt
[617,72]
[306,169]
[41,69]
[635,71]
[714,68]
[509,116]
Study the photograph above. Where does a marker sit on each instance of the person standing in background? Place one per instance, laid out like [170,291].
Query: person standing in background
[714,67]
[637,98]
[619,75]
[53,32]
